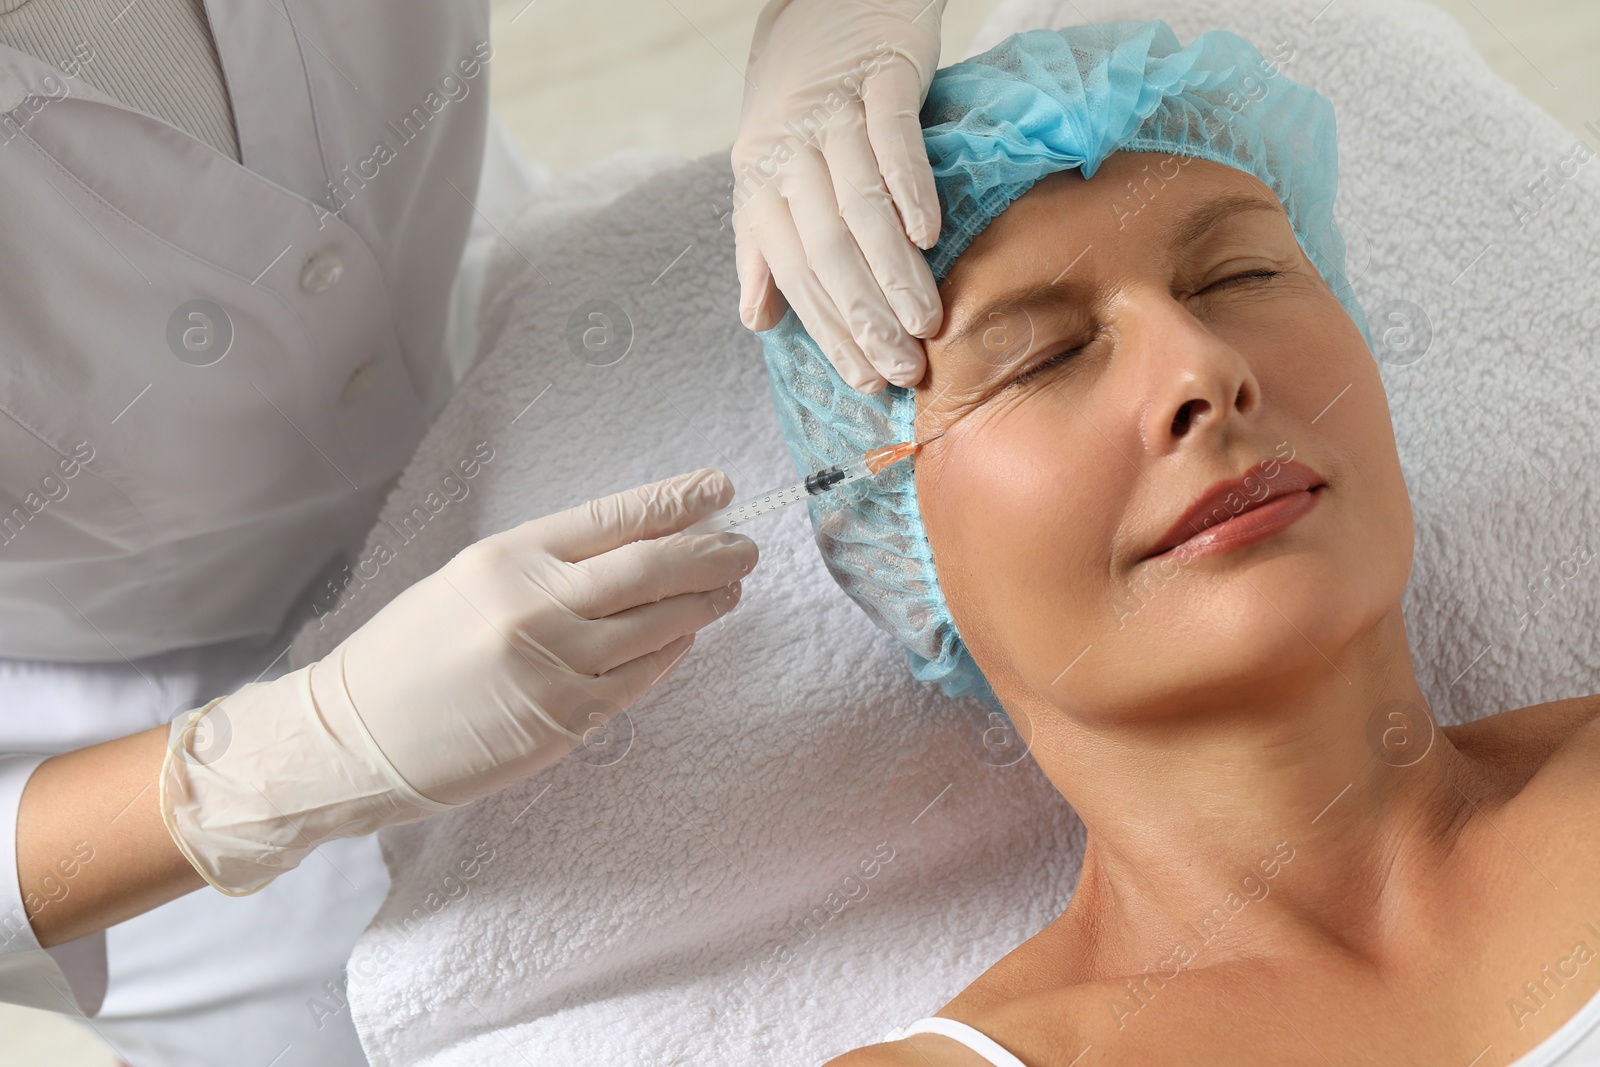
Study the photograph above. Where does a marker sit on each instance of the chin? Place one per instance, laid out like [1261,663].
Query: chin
[1255,618]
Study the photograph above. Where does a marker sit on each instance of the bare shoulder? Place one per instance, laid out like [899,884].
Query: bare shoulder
[1555,736]
[885,1055]
[919,1050]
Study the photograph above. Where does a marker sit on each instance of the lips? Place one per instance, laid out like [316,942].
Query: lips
[1225,501]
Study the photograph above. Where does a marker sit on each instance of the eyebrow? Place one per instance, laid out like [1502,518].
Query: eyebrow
[1181,233]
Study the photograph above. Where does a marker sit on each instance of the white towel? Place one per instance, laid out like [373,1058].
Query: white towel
[791,847]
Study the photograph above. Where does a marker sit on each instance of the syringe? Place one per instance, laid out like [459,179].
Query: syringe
[821,482]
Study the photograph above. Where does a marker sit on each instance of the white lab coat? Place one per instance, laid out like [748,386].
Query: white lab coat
[155,497]
[212,493]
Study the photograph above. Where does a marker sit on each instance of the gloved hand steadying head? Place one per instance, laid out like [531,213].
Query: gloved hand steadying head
[831,182]
[479,675]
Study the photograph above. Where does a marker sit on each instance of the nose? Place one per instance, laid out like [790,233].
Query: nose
[1198,385]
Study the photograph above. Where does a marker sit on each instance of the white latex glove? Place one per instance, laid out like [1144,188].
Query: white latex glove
[477,676]
[832,183]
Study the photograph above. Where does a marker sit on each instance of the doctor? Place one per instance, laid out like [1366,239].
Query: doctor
[238,257]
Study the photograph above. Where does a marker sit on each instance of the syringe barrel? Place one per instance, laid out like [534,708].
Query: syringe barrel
[745,510]
[820,482]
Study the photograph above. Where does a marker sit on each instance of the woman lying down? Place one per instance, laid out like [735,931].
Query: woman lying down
[1163,525]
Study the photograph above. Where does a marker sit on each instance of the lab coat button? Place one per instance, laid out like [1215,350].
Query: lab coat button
[321,272]
[359,379]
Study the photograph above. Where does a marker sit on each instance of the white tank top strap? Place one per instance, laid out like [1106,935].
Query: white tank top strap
[1575,1042]
[958,1031]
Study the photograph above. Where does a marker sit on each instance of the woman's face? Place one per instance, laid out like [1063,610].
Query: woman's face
[1106,359]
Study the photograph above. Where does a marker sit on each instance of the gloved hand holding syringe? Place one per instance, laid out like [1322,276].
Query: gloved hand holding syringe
[829,478]
[478,675]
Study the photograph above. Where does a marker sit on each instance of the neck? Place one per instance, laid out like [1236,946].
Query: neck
[1303,800]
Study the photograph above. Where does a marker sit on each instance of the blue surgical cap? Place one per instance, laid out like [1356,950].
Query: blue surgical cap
[1037,103]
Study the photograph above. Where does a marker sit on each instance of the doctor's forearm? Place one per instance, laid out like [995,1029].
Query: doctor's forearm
[99,802]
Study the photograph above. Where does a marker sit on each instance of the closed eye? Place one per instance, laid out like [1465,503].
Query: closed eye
[1262,273]
[1045,364]
[1066,354]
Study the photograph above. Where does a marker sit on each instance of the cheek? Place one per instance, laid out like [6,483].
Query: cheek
[1342,425]
[1380,530]
[1019,535]
[1338,384]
